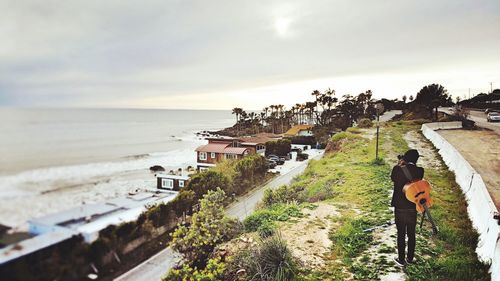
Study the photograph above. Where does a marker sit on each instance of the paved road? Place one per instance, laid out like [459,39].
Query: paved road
[158,265]
[388,115]
[246,204]
[479,117]
[154,268]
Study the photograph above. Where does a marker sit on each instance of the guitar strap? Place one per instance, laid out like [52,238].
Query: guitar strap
[407,173]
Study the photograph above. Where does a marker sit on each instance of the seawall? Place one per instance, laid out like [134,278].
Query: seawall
[480,205]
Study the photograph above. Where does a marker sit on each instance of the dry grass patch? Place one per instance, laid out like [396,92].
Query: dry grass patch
[308,237]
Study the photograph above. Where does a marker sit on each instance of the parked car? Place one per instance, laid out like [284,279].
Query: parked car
[271,164]
[302,156]
[277,159]
[493,117]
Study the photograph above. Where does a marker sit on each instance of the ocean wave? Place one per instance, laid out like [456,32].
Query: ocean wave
[37,181]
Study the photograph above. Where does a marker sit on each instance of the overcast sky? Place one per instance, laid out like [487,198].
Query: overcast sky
[222,54]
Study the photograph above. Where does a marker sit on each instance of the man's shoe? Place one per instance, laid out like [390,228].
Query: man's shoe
[399,262]
[412,261]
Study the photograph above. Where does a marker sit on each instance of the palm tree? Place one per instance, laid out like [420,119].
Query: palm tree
[317,94]
[280,115]
[237,111]
[310,110]
[252,116]
[296,115]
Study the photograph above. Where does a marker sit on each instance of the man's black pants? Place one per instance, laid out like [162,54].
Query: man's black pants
[406,221]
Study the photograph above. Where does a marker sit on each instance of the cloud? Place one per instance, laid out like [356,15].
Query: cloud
[95,53]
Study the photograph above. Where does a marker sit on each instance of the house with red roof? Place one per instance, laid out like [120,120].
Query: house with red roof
[220,149]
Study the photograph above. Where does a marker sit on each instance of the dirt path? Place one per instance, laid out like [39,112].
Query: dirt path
[481,150]
[381,253]
[308,238]
[428,156]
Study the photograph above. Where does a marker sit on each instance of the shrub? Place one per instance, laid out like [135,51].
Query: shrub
[321,193]
[249,171]
[278,147]
[309,140]
[208,228]
[208,180]
[266,229]
[365,123]
[283,195]
[125,229]
[272,260]
[213,271]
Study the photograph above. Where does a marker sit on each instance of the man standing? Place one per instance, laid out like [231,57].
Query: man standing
[404,210]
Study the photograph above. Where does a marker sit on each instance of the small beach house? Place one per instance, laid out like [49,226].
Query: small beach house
[171,182]
[258,143]
[303,130]
[219,149]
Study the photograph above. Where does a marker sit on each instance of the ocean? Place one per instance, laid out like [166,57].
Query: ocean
[54,159]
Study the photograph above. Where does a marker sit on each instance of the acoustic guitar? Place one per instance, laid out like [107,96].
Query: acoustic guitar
[419,192]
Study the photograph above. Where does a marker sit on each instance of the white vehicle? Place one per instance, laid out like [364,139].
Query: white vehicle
[493,117]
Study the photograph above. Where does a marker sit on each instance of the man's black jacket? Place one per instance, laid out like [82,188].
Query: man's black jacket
[399,200]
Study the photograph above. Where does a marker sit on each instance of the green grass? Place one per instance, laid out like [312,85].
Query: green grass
[360,186]
[350,240]
[346,135]
[276,212]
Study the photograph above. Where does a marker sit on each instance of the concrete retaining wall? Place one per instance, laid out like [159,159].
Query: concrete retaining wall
[480,205]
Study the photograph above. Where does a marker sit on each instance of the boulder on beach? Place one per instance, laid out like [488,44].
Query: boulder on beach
[157,168]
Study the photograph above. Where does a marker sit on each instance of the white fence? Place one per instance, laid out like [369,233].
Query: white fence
[480,205]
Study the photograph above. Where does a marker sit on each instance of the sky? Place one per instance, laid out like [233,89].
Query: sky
[222,54]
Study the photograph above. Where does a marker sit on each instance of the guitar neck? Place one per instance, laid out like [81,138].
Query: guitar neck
[429,216]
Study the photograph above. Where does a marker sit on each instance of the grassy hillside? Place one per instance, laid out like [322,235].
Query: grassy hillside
[358,190]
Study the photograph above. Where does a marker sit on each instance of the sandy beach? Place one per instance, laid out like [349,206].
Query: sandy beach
[53,161]
[37,199]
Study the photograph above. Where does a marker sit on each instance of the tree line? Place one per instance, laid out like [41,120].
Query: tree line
[326,110]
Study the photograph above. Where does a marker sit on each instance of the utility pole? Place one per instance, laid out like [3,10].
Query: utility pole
[376,149]
[380,109]
[469,93]
[491,87]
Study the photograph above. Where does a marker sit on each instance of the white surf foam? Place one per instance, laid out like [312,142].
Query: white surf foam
[42,180]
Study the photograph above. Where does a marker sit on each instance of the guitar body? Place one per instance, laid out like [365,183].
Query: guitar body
[419,192]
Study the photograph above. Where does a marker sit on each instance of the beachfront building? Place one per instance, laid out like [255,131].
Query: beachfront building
[256,147]
[220,149]
[303,130]
[258,142]
[87,220]
[48,232]
[171,182]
